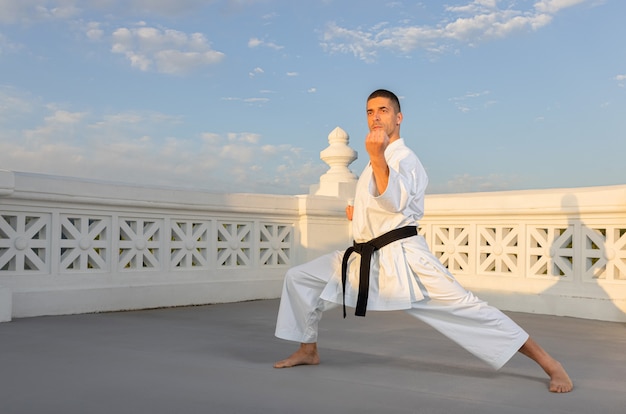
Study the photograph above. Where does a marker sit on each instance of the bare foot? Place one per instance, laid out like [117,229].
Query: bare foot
[305,355]
[559,380]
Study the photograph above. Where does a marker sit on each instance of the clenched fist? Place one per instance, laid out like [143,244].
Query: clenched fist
[376,142]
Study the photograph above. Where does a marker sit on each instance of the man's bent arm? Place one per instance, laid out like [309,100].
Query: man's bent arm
[381,173]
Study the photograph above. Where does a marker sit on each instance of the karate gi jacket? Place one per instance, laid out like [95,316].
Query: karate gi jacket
[392,280]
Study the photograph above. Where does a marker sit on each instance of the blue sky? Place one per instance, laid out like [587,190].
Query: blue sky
[240,95]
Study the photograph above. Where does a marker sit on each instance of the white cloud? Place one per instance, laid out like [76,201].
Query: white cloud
[240,154]
[494,24]
[28,11]
[554,6]
[248,100]
[65,117]
[256,100]
[210,138]
[58,123]
[256,71]
[472,101]
[256,42]
[360,43]
[468,24]
[269,16]
[473,7]
[177,62]
[248,137]
[13,104]
[93,31]
[145,148]
[168,51]
[621,80]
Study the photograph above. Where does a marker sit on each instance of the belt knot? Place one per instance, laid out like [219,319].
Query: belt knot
[366,250]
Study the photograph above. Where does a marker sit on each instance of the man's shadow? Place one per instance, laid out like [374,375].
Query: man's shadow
[583,259]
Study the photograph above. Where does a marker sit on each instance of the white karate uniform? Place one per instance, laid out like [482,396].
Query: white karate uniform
[404,275]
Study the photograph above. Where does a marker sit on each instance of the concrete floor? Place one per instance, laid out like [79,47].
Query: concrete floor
[218,359]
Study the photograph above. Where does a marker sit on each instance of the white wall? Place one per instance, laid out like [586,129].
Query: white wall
[74,246]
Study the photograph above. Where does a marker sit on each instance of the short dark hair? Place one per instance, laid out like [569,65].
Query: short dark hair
[384,93]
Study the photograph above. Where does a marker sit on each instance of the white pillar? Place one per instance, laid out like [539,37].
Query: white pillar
[338,181]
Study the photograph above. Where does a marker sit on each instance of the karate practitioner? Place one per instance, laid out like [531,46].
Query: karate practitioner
[403,273]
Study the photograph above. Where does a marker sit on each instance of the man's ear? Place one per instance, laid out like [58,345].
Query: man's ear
[399,118]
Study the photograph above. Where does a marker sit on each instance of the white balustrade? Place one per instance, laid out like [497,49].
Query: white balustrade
[557,251]
[74,246]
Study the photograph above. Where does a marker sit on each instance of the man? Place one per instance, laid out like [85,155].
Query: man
[390,267]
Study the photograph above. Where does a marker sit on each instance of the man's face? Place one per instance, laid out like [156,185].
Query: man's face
[382,115]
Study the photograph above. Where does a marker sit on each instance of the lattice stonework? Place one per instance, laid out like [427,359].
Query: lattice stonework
[604,253]
[451,245]
[234,244]
[189,244]
[551,251]
[499,249]
[423,231]
[84,243]
[139,243]
[25,242]
[275,244]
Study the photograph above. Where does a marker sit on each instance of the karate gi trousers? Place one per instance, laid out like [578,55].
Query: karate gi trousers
[458,314]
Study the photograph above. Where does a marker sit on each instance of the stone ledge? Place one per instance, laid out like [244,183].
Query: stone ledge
[7,182]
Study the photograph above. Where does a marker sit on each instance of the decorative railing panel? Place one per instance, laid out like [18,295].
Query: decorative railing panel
[555,252]
[234,244]
[498,249]
[59,242]
[191,244]
[139,243]
[85,243]
[604,253]
[551,251]
[451,244]
[25,242]
[275,244]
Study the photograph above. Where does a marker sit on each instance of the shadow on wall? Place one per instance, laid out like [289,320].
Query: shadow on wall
[586,265]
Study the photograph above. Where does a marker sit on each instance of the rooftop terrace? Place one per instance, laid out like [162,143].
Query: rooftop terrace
[218,359]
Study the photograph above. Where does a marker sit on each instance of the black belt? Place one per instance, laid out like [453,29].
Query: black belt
[365,250]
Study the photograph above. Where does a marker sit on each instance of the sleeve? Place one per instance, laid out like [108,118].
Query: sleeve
[407,183]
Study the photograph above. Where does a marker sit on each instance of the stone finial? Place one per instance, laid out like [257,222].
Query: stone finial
[338,181]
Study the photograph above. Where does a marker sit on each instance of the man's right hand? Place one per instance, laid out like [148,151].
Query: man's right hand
[376,143]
